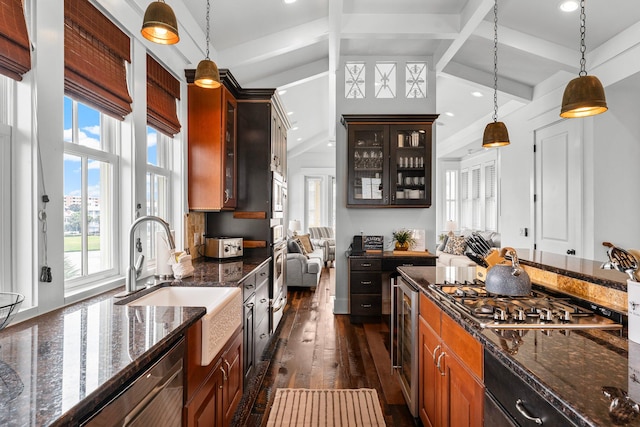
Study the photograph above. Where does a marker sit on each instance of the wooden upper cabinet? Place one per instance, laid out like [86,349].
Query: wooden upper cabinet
[389,161]
[212,149]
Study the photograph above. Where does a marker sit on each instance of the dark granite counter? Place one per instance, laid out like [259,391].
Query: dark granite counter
[569,370]
[56,368]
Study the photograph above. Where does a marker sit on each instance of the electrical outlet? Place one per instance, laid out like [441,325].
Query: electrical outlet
[524,231]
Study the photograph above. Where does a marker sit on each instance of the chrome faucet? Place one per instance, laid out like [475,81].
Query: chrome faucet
[135,267]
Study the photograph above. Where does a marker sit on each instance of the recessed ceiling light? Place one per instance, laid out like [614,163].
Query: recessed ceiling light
[295,128]
[477,94]
[289,1]
[569,6]
[299,139]
[330,144]
[449,113]
[289,113]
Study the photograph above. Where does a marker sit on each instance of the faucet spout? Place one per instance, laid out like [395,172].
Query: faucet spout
[132,270]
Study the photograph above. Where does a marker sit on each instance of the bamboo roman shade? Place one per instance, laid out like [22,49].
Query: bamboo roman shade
[15,56]
[162,91]
[95,51]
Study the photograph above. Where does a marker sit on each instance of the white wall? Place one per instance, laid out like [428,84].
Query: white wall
[378,221]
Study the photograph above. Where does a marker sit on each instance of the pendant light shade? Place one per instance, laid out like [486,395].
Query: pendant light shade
[207,74]
[159,24]
[495,133]
[584,95]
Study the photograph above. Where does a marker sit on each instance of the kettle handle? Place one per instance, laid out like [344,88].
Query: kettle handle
[514,255]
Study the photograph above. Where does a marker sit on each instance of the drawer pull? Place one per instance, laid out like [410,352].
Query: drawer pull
[263,273]
[366,264]
[263,300]
[442,373]
[407,265]
[250,305]
[249,286]
[520,407]
[263,336]
[365,282]
[365,305]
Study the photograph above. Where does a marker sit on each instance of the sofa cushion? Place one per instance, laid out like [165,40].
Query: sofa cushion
[443,244]
[306,242]
[455,245]
[314,266]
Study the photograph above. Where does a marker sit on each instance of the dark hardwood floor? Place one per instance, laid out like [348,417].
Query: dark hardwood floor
[313,348]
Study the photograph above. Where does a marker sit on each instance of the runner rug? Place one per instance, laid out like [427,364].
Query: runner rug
[326,408]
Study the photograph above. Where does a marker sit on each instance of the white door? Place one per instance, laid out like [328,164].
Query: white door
[558,188]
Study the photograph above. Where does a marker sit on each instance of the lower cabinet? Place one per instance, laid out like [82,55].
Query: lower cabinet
[256,319]
[450,368]
[213,392]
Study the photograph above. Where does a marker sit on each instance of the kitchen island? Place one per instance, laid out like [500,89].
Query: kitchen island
[58,368]
[568,369]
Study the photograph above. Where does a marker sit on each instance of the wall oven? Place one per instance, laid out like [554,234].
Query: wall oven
[404,339]
[278,291]
[279,196]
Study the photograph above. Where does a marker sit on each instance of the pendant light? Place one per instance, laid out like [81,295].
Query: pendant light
[584,95]
[159,24]
[207,74]
[495,133]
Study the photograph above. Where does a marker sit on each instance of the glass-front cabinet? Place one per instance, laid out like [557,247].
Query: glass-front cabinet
[389,160]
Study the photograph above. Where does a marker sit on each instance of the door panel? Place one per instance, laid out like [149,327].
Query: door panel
[558,207]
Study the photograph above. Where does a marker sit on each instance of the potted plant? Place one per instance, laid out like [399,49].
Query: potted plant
[404,239]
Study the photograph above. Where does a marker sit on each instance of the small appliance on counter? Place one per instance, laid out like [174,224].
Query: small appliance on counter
[223,247]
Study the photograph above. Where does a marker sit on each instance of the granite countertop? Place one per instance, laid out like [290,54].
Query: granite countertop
[58,367]
[569,370]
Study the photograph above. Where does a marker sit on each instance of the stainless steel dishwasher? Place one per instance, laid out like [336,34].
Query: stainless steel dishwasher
[154,398]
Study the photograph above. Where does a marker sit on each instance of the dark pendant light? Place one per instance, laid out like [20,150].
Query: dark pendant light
[584,95]
[207,74]
[495,133]
[159,24]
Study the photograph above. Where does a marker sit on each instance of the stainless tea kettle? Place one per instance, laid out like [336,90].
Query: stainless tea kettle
[508,279]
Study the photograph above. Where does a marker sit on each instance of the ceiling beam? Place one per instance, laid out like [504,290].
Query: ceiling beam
[423,26]
[335,24]
[304,146]
[293,76]
[507,86]
[471,16]
[530,44]
[274,44]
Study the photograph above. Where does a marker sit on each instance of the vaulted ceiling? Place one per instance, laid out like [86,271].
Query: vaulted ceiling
[267,43]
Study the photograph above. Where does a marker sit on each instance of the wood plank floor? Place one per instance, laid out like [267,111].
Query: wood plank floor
[313,348]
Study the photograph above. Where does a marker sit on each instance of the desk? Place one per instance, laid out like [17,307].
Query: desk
[366,272]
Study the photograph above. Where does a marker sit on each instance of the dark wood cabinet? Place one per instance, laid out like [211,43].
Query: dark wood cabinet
[212,392]
[450,371]
[389,160]
[212,149]
[256,320]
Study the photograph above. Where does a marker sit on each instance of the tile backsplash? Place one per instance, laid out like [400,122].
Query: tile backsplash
[193,223]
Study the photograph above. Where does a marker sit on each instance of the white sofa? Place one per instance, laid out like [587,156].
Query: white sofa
[303,270]
[450,260]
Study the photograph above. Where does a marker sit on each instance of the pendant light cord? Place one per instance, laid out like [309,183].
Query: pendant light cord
[583,46]
[208,10]
[495,61]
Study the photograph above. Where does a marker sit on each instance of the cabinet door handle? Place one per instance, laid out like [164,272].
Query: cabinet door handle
[365,282]
[263,300]
[442,373]
[263,336]
[365,305]
[224,375]
[226,196]
[520,407]
[226,362]
[366,264]
[250,305]
[435,350]
[249,286]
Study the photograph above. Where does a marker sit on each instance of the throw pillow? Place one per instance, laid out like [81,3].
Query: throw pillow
[294,247]
[303,250]
[443,244]
[306,242]
[455,245]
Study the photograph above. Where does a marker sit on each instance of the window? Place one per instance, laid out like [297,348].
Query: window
[158,184]
[478,196]
[354,80]
[490,197]
[476,220]
[313,213]
[385,80]
[90,170]
[416,80]
[465,199]
[450,195]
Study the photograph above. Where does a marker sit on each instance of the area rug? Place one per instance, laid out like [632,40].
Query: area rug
[326,408]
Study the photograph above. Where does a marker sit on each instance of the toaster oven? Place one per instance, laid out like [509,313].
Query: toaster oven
[223,247]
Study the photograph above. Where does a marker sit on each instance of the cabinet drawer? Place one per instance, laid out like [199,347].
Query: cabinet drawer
[366,283]
[262,275]
[392,264]
[248,286]
[365,264]
[366,305]
[467,348]
[430,312]
[261,337]
[262,302]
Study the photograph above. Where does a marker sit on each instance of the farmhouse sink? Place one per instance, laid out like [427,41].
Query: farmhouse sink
[223,317]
